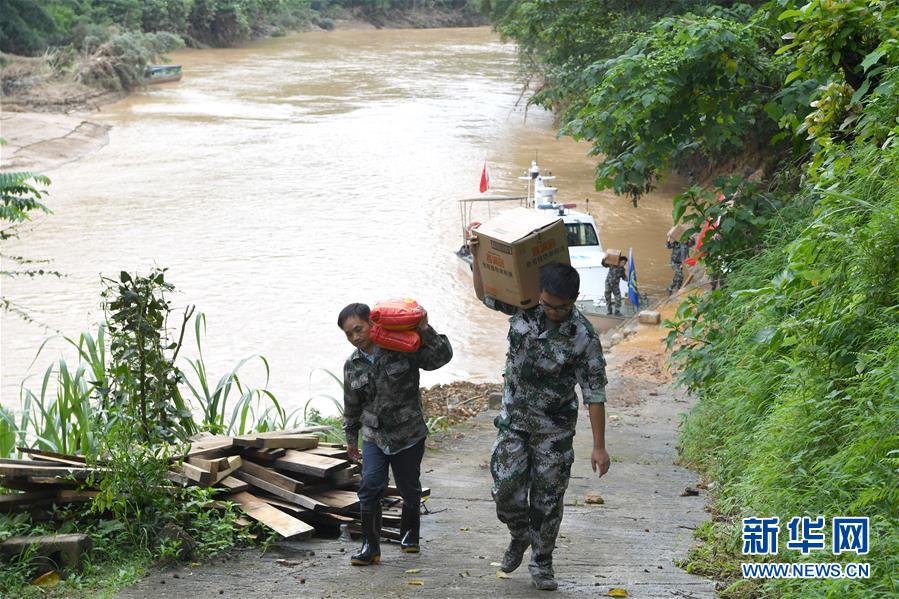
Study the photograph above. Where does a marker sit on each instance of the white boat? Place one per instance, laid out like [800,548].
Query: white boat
[584,246]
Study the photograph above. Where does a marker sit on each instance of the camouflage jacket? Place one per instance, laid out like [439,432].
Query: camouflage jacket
[542,367]
[383,398]
[616,273]
[679,251]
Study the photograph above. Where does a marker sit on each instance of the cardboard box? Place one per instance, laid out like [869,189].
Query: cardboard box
[675,232]
[513,247]
[612,257]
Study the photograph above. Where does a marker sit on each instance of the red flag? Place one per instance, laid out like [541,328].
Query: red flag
[485,179]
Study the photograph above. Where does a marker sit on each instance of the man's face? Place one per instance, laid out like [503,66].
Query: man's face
[557,309]
[356,331]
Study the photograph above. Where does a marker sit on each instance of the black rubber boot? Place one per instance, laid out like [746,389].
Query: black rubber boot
[514,554]
[410,528]
[371,541]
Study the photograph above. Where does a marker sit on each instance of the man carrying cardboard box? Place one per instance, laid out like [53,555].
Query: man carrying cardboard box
[552,347]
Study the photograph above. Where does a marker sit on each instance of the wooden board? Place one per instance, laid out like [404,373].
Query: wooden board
[14,468]
[277,440]
[213,465]
[337,499]
[197,474]
[309,463]
[301,500]
[208,448]
[233,484]
[234,463]
[331,452]
[347,476]
[262,455]
[316,519]
[276,478]
[50,456]
[17,501]
[285,525]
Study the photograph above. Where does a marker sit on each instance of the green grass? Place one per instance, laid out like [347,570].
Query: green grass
[795,365]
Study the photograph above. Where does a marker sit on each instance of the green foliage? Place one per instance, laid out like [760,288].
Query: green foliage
[846,49]
[8,432]
[20,194]
[25,26]
[693,85]
[795,364]
[143,383]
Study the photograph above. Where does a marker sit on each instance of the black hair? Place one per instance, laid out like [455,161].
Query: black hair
[360,310]
[560,280]
[623,258]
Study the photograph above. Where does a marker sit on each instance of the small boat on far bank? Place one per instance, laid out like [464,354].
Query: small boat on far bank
[162,73]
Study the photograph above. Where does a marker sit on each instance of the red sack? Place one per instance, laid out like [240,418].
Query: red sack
[398,314]
[402,341]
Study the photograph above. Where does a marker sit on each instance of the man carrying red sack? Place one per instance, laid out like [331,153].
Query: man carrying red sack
[381,396]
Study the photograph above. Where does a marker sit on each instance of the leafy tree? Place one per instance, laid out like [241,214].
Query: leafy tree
[693,85]
[24,27]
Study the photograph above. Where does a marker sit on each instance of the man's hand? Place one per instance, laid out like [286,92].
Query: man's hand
[600,459]
[352,452]
[423,323]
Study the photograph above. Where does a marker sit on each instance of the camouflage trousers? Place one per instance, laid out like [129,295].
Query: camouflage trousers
[530,475]
[678,276]
[613,288]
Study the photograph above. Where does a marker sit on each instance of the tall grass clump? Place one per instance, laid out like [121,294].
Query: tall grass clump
[796,364]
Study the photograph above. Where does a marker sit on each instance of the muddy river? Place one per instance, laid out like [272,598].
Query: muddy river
[280,181]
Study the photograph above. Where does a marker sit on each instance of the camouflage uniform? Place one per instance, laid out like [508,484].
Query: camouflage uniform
[616,273]
[383,398]
[679,252]
[533,453]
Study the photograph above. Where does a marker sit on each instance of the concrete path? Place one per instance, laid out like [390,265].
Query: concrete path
[629,542]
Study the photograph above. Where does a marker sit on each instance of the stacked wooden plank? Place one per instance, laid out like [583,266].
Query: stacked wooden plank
[286,480]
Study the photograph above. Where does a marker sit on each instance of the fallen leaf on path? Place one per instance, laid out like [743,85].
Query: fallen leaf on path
[49,580]
[495,564]
[413,571]
[594,499]
[690,492]
[464,529]
[416,583]
[287,562]
[614,418]
[501,574]
[617,593]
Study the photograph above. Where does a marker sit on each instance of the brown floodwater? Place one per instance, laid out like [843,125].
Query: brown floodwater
[279,181]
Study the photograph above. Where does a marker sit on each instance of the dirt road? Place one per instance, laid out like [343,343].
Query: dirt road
[629,542]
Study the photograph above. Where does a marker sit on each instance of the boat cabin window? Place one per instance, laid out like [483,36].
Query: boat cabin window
[581,234]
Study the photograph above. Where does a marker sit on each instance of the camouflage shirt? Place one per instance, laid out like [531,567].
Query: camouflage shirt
[383,397]
[542,367]
[616,273]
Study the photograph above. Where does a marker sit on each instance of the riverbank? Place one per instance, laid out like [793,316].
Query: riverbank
[41,142]
[632,540]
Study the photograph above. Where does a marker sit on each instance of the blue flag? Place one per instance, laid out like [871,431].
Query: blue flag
[632,292]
